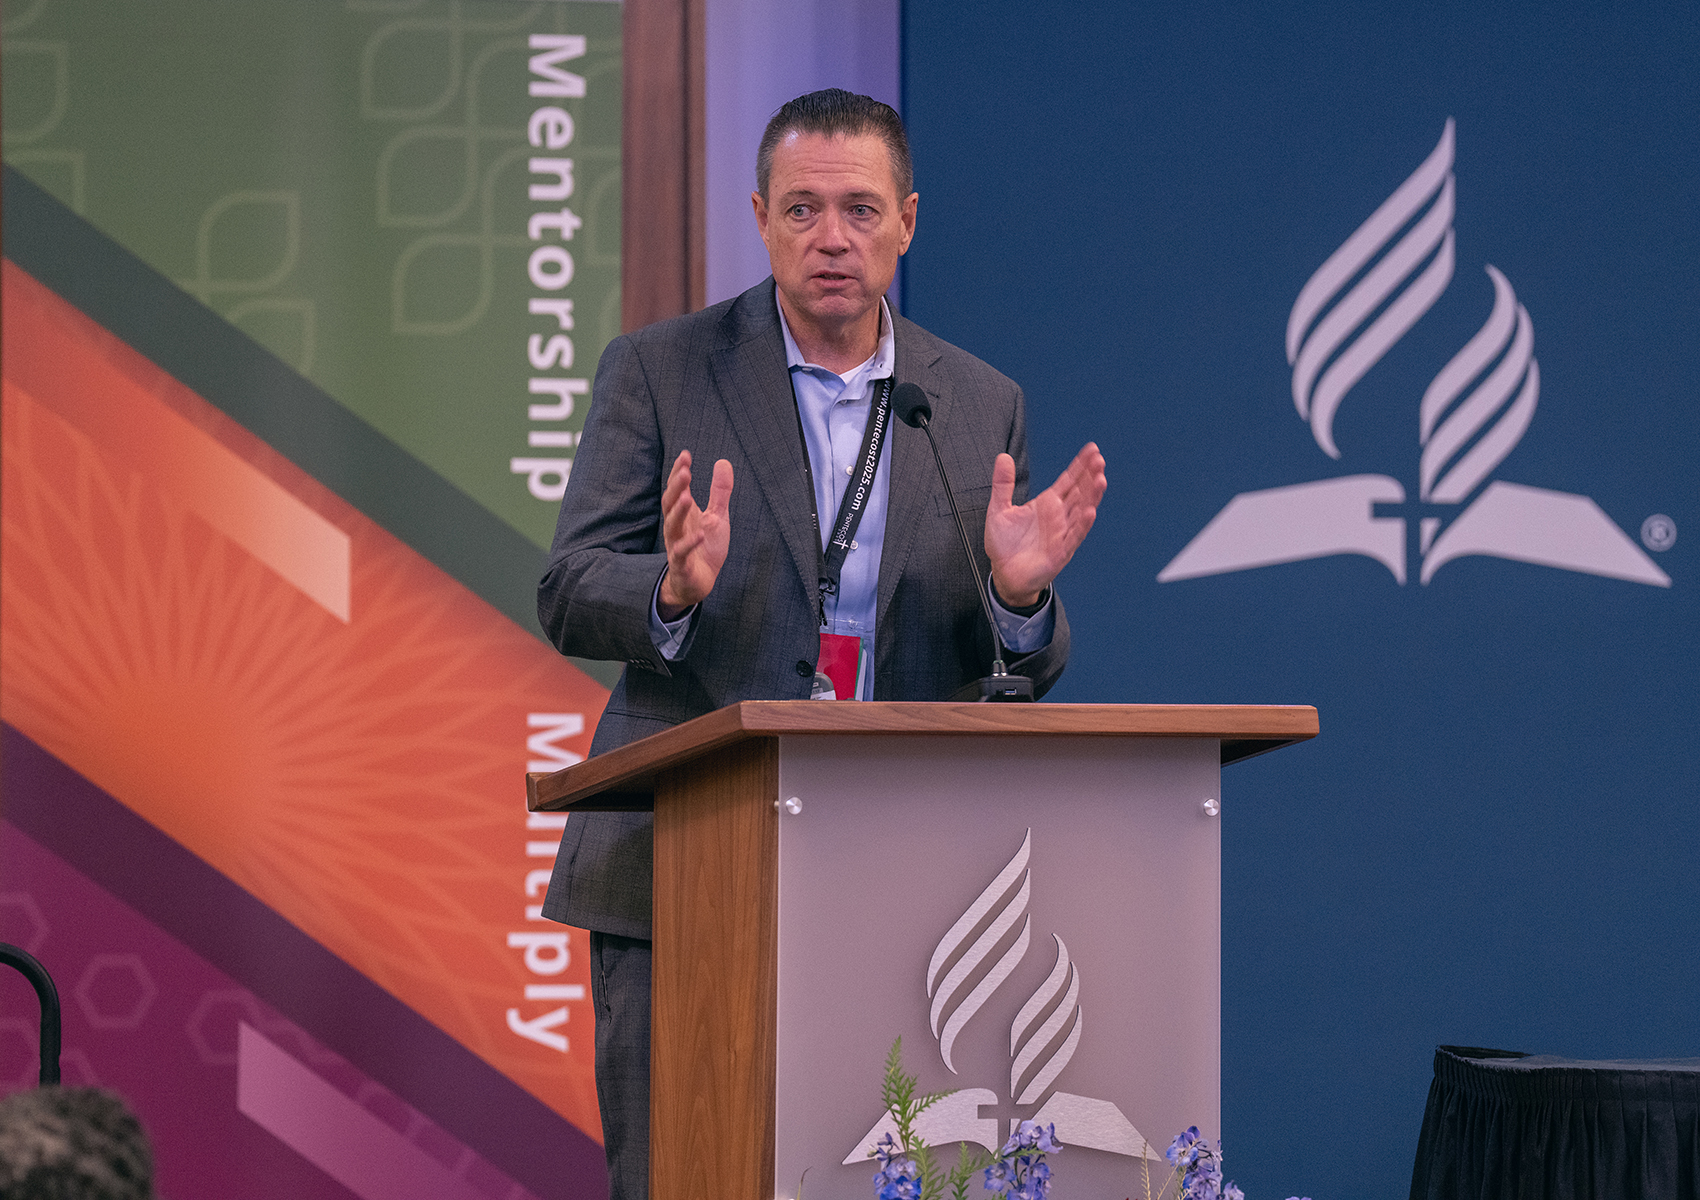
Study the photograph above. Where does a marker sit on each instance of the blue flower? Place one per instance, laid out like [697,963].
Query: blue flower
[899,1180]
[1203,1179]
[1201,1183]
[1183,1151]
[1021,1172]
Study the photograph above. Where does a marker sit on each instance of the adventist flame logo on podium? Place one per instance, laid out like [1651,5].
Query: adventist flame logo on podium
[1042,1038]
[1476,410]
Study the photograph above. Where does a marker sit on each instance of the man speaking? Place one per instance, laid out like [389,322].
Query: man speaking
[744,521]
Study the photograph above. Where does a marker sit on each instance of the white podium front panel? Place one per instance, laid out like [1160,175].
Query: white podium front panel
[1038,918]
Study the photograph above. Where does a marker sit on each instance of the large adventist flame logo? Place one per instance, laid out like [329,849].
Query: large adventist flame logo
[966,969]
[1352,311]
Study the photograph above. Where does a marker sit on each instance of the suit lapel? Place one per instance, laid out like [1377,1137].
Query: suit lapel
[914,475]
[753,385]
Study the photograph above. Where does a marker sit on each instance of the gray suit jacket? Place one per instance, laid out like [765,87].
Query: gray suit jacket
[715,383]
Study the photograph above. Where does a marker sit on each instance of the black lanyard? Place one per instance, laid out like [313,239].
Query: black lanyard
[856,494]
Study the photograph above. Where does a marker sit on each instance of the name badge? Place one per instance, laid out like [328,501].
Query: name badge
[841,662]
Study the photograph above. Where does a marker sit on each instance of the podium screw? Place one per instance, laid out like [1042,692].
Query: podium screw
[791,805]
[1212,807]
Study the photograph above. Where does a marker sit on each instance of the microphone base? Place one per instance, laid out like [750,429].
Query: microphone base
[1004,689]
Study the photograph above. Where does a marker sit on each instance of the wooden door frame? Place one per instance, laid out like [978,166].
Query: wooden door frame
[663,225]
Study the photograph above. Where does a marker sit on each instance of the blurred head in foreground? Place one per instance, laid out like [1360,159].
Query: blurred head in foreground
[72,1144]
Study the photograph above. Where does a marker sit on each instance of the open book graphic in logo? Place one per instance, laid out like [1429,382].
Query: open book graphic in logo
[1042,1038]
[1356,306]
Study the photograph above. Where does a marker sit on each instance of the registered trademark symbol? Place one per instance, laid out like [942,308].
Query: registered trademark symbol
[1658,532]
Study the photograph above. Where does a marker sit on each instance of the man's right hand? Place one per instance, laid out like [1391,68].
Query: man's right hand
[696,538]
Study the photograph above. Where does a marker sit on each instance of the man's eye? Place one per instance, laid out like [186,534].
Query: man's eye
[860,210]
[799,210]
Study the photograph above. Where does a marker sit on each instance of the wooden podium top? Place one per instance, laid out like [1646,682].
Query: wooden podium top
[622,777]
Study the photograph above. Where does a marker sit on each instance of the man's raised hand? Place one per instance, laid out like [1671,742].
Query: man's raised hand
[1029,544]
[696,538]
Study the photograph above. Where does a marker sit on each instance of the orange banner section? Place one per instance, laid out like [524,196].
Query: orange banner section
[164,580]
[218,485]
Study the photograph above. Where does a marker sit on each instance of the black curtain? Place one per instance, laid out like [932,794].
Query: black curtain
[1511,1126]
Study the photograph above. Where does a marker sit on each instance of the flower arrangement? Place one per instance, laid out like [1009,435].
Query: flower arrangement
[908,1171]
[1198,1169]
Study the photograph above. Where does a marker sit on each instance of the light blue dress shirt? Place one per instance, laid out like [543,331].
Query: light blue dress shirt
[834,411]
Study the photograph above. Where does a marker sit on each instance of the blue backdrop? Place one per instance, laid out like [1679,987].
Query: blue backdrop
[1494,841]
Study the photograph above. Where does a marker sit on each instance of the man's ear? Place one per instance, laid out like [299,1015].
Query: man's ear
[760,206]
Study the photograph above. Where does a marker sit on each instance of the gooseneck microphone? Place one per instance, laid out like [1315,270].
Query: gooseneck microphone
[909,402]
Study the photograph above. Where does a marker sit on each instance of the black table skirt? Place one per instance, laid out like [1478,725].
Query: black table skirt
[1510,1126]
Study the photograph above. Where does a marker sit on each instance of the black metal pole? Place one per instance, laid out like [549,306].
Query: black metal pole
[30,967]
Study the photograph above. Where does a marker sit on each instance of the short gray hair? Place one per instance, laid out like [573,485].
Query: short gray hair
[832,112]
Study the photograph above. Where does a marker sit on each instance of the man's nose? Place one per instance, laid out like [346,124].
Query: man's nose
[833,237]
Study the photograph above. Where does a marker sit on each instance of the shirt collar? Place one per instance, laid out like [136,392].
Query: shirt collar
[880,366]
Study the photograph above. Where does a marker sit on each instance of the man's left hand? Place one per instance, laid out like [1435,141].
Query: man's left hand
[1029,544]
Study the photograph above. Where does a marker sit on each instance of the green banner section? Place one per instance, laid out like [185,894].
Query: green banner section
[414,204]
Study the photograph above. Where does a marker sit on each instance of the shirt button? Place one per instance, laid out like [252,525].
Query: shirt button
[805,668]
[847,470]
[853,544]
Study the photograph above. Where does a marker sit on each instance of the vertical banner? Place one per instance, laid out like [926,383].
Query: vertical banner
[301,302]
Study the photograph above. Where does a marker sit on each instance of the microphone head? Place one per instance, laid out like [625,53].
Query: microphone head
[910,404]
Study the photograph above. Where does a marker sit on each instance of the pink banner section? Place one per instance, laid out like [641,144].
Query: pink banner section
[291,1102]
[193,1052]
